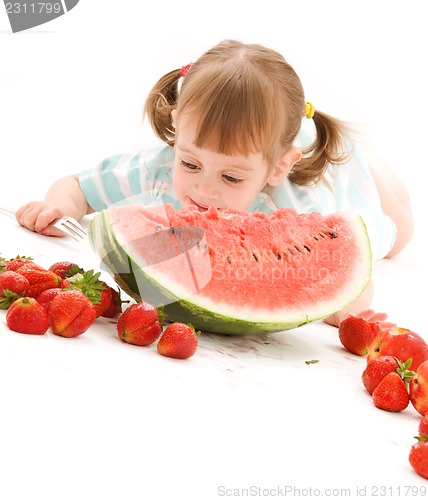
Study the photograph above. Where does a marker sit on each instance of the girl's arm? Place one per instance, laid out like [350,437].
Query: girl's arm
[396,205]
[394,199]
[64,197]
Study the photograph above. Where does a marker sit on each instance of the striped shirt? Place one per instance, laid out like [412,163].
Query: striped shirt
[146,177]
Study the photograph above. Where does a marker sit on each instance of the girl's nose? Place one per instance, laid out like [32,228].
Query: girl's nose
[207,187]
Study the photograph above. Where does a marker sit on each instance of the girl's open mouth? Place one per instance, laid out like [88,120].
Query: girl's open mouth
[201,208]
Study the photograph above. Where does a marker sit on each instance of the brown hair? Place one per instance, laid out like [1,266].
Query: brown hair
[246,98]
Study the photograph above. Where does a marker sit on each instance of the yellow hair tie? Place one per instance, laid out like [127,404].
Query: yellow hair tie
[309,110]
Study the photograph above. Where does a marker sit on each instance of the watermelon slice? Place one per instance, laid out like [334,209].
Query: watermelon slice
[231,271]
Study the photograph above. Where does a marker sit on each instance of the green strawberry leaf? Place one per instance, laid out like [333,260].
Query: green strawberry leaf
[404,372]
[9,298]
[88,282]
[73,270]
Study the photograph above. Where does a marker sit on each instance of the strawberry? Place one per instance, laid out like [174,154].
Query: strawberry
[64,283]
[418,456]
[356,334]
[391,394]
[40,279]
[65,269]
[90,284]
[46,297]
[13,281]
[178,341]
[12,286]
[71,313]
[423,427]
[140,324]
[26,315]
[17,262]
[105,300]
[377,370]
[115,307]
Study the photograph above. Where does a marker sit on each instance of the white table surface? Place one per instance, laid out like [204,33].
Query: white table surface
[93,417]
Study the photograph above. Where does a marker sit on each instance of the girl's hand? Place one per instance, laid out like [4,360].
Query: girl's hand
[38,215]
[366,314]
[64,197]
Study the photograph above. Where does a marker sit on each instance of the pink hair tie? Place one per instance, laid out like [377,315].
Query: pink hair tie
[185,69]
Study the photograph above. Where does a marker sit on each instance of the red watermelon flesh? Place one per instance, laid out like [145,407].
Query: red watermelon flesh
[238,272]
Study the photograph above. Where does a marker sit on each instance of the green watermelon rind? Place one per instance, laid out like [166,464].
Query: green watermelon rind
[175,308]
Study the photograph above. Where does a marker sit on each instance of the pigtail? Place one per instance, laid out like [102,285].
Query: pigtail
[329,147]
[160,102]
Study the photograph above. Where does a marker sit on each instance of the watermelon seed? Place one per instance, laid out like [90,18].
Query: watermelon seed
[315,238]
[175,230]
[278,256]
[255,257]
[307,248]
[229,260]
[322,236]
[158,228]
[333,235]
[298,249]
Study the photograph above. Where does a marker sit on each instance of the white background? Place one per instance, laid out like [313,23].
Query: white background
[111,418]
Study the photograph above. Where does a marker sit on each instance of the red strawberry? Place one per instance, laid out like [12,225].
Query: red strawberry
[423,427]
[13,281]
[64,283]
[115,307]
[418,457]
[140,324]
[40,279]
[178,341]
[90,284]
[46,297]
[17,262]
[64,269]
[12,286]
[356,334]
[391,394]
[71,313]
[377,370]
[105,300]
[26,315]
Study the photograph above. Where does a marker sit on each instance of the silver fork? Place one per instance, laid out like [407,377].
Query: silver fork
[66,224]
[70,226]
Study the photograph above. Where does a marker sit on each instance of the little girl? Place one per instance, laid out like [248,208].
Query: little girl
[234,129]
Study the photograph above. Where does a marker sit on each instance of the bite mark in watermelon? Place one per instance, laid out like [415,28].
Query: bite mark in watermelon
[231,271]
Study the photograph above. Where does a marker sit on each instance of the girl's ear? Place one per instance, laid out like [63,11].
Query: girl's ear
[173,115]
[283,167]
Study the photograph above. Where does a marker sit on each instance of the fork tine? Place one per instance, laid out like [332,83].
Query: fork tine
[70,227]
[67,231]
[73,225]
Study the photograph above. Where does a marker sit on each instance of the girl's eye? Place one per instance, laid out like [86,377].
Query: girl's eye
[232,180]
[189,166]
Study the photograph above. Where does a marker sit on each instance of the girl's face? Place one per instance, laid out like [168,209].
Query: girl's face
[206,178]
